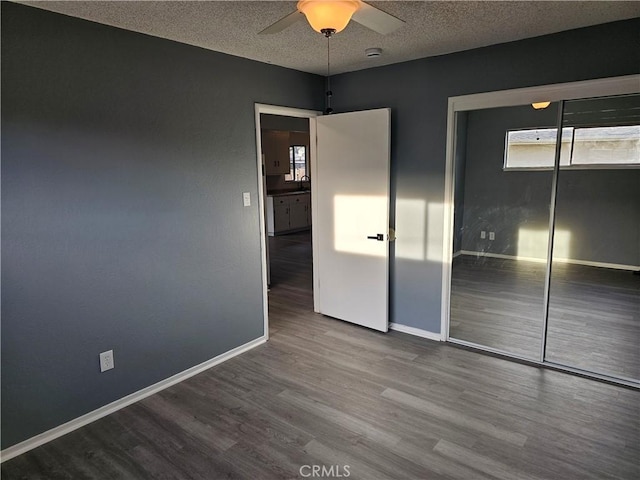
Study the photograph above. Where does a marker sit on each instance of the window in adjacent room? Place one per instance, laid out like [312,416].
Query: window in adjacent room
[297,164]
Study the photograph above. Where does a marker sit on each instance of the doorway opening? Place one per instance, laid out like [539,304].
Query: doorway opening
[285,159]
[349,157]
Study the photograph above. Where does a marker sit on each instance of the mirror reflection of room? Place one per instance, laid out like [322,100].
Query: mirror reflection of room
[501,227]
[504,198]
[594,296]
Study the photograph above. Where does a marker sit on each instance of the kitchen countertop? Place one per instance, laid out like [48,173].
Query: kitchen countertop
[282,194]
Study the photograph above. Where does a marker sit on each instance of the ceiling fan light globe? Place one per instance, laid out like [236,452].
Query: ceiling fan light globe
[328,14]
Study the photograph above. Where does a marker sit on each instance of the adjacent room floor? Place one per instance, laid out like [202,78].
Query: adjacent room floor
[378,406]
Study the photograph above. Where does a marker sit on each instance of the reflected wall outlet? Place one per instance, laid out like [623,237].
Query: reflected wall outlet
[483,234]
[106,361]
[492,235]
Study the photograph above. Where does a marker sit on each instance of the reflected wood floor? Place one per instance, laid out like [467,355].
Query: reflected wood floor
[594,313]
[389,406]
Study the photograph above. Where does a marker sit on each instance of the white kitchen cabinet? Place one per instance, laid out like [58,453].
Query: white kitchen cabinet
[298,211]
[275,147]
[281,221]
[288,213]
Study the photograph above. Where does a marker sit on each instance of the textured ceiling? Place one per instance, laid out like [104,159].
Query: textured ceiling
[432,27]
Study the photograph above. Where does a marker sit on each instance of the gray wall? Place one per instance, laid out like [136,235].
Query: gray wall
[417,93]
[124,159]
[601,210]
[599,207]
[499,201]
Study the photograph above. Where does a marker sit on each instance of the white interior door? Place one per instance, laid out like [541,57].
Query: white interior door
[351,220]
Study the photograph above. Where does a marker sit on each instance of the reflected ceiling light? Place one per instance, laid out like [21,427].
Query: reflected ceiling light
[332,15]
[540,105]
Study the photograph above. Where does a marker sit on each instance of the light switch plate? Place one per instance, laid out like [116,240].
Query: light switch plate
[246,199]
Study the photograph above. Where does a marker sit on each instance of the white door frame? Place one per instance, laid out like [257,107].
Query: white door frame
[287,112]
[600,87]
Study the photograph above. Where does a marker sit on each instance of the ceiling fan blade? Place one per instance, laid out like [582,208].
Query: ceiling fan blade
[283,23]
[377,20]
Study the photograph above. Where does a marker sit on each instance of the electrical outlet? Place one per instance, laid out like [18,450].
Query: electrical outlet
[483,234]
[492,235]
[246,199]
[106,361]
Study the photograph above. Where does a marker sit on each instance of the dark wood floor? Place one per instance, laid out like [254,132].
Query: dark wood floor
[594,313]
[388,406]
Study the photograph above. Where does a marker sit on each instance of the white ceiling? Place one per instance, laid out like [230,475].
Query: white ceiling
[432,27]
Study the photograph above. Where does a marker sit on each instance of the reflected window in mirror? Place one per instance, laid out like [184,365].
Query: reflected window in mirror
[596,147]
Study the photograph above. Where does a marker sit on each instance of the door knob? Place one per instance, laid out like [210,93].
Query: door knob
[379,237]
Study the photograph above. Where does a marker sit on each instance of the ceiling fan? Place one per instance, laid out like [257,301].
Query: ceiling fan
[334,15]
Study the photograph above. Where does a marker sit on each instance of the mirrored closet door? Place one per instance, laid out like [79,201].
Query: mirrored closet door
[594,296]
[546,234]
[503,185]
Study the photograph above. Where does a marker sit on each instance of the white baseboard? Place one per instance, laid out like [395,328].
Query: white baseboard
[572,261]
[457,254]
[415,331]
[87,418]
